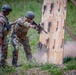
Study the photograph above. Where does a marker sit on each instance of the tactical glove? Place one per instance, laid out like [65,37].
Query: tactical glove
[8,27]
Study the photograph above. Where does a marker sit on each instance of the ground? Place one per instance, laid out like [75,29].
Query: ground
[36,71]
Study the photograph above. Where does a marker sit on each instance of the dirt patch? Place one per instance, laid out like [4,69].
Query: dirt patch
[36,71]
[33,71]
[73,72]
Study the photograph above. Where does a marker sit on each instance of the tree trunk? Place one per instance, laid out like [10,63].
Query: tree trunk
[53,21]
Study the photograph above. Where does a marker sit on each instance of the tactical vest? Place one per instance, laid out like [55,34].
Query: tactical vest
[20,30]
[5,22]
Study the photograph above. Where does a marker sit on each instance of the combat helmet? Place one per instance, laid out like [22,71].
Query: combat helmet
[30,15]
[6,8]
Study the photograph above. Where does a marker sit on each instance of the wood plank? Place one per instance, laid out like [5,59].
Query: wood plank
[70,33]
[74,2]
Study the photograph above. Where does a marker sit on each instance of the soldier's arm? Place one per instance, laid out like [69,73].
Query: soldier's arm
[1,33]
[26,24]
[29,25]
[34,23]
[1,29]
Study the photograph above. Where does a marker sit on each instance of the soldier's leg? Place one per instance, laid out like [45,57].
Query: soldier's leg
[27,48]
[4,54]
[15,42]
[4,51]
[0,55]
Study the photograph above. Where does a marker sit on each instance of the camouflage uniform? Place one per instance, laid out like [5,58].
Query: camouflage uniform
[3,34]
[19,35]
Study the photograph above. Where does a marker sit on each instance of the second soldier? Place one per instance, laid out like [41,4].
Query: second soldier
[19,34]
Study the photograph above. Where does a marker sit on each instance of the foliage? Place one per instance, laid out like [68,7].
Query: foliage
[7,70]
[71,65]
[52,69]
[67,59]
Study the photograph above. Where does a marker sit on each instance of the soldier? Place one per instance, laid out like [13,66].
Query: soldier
[19,33]
[4,29]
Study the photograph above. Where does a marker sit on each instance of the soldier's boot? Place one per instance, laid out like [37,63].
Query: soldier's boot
[3,59]
[15,59]
[28,54]
[3,63]
[29,57]
[16,65]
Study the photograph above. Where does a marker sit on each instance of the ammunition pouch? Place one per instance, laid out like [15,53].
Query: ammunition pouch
[21,36]
[5,32]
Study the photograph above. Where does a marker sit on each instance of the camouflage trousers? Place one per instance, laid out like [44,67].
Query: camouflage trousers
[15,42]
[3,52]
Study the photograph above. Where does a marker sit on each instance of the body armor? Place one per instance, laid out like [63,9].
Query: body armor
[20,29]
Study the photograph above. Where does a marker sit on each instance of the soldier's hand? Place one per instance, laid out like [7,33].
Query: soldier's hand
[15,21]
[32,26]
[8,26]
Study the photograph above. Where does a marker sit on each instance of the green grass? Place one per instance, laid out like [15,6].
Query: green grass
[52,69]
[71,65]
[7,71]
[19,9]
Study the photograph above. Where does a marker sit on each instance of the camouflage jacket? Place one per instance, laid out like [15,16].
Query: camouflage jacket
[3,23]
[21,28]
